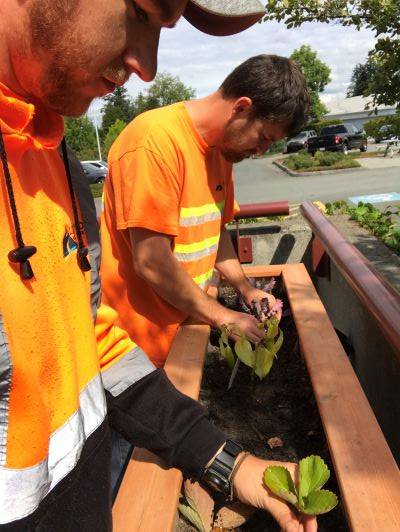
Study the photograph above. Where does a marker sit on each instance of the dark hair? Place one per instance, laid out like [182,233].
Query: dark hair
[277,87]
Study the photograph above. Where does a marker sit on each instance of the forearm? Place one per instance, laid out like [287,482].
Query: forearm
[228,264]
[172,283]
[154,415]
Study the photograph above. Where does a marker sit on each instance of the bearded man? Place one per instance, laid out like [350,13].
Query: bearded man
[64,382]
[169,194]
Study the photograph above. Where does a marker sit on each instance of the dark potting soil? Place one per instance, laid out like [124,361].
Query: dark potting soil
[281,406]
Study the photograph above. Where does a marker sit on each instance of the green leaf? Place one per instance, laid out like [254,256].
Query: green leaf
[188,509]
[221,347]
[272,328]
[319,502]
[280,482]
[279,342]
[230,357]
[224,334]
[313,475]
[245,352]
[264,359]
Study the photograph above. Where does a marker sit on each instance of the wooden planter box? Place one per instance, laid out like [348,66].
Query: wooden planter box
[367,474]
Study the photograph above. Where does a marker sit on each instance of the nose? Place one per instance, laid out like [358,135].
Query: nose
[141,57]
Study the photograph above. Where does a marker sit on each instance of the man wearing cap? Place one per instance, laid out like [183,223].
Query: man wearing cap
[62,382]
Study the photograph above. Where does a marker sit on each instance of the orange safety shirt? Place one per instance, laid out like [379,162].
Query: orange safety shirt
[165,178]
[51,392]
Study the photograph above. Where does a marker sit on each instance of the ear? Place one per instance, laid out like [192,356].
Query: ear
[242,105]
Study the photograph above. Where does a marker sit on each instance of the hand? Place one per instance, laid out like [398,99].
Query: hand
[246,323]
[249,488]
[251,294]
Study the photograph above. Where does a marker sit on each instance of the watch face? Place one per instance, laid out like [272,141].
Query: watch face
[214,481]
[217,475]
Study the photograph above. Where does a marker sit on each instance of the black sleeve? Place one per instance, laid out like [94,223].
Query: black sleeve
[153,414]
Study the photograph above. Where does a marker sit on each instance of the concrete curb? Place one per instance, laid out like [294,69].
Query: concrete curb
[321,172]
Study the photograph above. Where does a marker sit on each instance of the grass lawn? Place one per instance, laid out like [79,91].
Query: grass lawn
[304,162]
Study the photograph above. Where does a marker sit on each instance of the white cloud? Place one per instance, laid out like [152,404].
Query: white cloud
[203,62]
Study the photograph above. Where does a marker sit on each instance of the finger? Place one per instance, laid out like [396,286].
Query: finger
[310,523]
[255,335]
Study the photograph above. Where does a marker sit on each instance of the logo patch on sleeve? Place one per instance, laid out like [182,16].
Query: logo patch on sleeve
[69,244]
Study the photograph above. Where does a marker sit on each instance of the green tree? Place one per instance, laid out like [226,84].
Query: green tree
[81,137]
[317,74]
[112,134]
[165,90]
[361,79]
[381,16]
[118,106]
[373,126]
[319,124]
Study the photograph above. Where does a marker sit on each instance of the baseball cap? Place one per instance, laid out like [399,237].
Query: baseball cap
[223,17]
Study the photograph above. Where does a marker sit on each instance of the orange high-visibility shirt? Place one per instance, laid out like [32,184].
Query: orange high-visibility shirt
[162,177]
[51,391]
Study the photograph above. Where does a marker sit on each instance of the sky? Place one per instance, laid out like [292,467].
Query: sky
[202,61]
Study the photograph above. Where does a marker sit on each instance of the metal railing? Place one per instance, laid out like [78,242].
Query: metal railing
[379,298]
[258,210]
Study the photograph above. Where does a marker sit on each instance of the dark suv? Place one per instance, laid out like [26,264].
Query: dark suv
[339,137]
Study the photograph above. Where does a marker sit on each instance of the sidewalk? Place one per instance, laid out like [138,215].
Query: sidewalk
[380,162]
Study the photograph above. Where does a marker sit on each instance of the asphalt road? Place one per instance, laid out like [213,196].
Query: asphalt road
[258,180]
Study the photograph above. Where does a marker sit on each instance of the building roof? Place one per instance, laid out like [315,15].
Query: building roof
[356,104]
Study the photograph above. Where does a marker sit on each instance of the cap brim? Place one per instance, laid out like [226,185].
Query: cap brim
[223,17]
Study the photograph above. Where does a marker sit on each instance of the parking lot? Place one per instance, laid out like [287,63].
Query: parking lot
[259,180]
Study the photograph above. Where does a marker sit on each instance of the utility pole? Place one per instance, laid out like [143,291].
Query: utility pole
[93,118]
[98,138]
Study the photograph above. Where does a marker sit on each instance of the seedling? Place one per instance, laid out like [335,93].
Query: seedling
[307,496]
[383,224]
[259,357]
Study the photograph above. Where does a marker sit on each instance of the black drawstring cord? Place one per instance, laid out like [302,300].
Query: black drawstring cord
[22,253]
[82,251]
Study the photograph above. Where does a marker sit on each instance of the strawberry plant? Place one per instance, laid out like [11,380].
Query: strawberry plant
[307,496]
[380,223]
[259,357]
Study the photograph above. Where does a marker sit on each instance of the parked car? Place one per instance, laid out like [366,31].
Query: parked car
[300,141]
[95,170]
[385,133]
[338,137]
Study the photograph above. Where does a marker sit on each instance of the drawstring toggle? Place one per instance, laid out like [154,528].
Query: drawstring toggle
[83,261]
[21,255]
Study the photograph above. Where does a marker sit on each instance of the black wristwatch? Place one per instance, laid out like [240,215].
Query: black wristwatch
[217,477]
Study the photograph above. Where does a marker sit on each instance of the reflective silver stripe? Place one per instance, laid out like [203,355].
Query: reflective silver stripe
[188,257]
[22,490]
[198,220]
[5,387]
[131,368]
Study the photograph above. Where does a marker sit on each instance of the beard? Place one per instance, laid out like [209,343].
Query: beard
[71,73]
[52,43]
[233,156]
[233,148]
